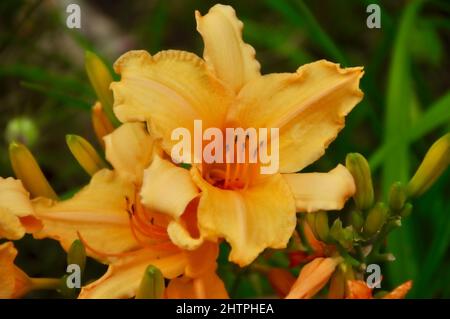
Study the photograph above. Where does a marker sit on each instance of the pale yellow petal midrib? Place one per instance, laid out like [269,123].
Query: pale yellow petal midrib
[84,217]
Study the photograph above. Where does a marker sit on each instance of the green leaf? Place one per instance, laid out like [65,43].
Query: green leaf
[425,44]
[300,16]
[277,39]
[397,124]
[399,100]
[61,97]
[41,76]
[436,115]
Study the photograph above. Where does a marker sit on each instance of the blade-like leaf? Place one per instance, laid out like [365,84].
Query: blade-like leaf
[397,124]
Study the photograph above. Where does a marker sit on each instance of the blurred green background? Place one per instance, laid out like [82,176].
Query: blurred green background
[45,94]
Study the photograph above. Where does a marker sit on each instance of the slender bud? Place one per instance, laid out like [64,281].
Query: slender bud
[77,255]
[101,78]
[321,225]
[375,219]
[311,220]
[433,165]
[397,197]
[337,285]
[101,123]
[28,171]
[407,210]
[152,284]
[357,220]
[85,154]
[360,170]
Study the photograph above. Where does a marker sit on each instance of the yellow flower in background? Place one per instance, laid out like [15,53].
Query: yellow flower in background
[16,211]
[226,90]
[118,230]
[14,282]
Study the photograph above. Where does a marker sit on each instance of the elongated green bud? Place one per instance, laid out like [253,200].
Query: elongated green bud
[101,78]
[27,169]
[77,255]
[397,197]
[375,219]
[360,170]
[433,165]
[321,225]
[407,210]
[85,154]
[152,284]
[357,220]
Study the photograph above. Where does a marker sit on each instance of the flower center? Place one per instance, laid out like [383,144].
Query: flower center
[239,167]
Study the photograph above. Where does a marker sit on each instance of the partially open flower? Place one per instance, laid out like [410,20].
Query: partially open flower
[116,228]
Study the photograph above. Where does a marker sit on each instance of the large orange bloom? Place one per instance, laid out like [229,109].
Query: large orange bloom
[251,211]
[109,218]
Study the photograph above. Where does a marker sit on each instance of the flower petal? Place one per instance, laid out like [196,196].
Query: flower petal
[14,197]
[124,275]
[308,107]
[313,277]
[399,292]
[129,149]
[251,220]
[321,191]
[10,226]
[181,237]
[171,90]
[99,213]
[202,259]
[207,286]
[184,232]
[358,289]
[232,60]
[167,188]
[15,205]
[14,283]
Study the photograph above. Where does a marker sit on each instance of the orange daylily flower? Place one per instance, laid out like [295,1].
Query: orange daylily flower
[16,211]
[226,90]
[14,282]
[109,218]
[358,289]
